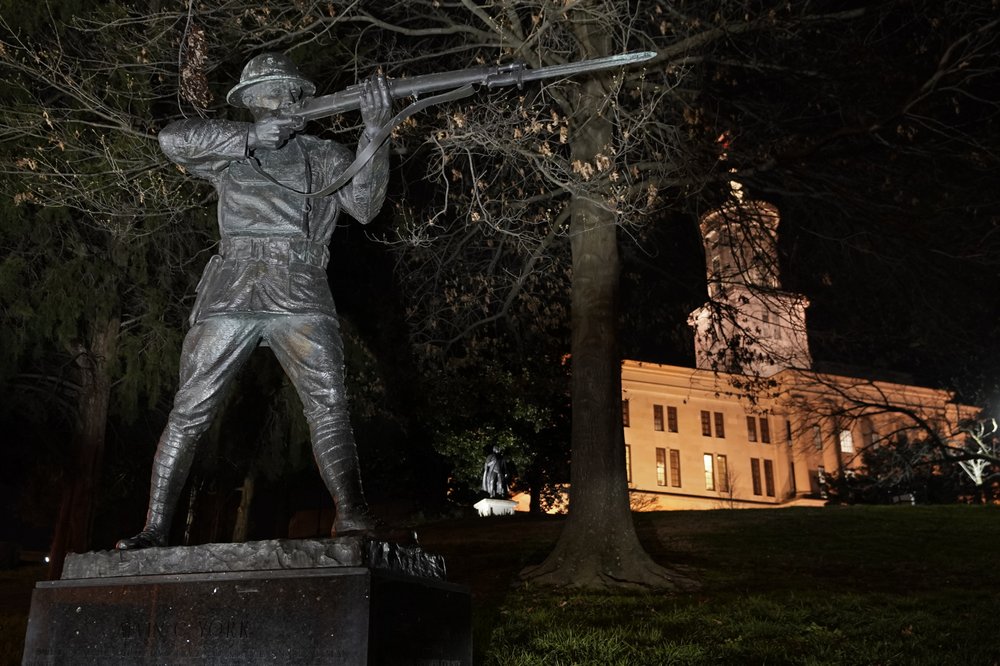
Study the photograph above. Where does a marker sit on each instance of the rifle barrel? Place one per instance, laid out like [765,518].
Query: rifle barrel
[491,76]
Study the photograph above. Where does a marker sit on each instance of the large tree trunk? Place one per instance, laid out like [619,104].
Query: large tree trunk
[76,514]
[598,547]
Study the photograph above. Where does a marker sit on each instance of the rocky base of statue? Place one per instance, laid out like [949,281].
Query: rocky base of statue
[348,600]
[495,506]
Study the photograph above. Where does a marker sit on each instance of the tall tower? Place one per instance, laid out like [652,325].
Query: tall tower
[749,325]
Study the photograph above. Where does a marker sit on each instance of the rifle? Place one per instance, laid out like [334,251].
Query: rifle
[457,84]
[491,76]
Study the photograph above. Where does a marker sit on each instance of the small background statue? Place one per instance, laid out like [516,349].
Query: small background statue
[496,473]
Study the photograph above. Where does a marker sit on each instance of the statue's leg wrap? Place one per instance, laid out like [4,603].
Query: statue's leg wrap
[310,350]
[171,465]
[214,351]
[337,458]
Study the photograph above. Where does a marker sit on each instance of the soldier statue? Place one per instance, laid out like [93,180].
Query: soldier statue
[496,474]
[268,284]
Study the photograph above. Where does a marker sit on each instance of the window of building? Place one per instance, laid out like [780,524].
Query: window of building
[846,441]
[791,477]
[706,423]
[818,438]
[628,463]
[755,475]
[658,418]
[661,467]
[714,280]
[769,478]
[872,438]
[720,425]
[722,468]
[788,432]
[764,430]
[709,471]
[675,468]
[625,413]
[672,419]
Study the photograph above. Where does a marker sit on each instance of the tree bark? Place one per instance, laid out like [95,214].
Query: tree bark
[242,527]
[76,515]
[193,491]
[598,547]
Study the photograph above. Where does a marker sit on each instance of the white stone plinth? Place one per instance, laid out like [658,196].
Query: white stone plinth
[492,506]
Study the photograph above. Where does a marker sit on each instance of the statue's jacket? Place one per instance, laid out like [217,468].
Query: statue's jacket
[274,241]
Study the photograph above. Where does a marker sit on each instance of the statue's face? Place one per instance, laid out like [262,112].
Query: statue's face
[271,96]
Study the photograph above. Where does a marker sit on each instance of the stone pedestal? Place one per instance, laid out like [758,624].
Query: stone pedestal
[350,610]
[494,506]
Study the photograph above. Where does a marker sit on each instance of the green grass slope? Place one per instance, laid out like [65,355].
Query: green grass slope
[840,585]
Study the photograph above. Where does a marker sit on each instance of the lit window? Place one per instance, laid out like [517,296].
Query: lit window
[675,468]
[672,419]
[709,472]
[846,441]
[755,475]
[723,468]
[661,467]
[658,418]
[628,463]
[751,429]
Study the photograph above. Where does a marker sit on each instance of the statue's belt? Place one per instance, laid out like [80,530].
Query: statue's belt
[276,250]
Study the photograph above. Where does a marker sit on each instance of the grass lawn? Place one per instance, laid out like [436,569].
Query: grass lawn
[840,585]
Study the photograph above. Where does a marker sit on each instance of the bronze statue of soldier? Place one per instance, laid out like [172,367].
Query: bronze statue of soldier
[268,283]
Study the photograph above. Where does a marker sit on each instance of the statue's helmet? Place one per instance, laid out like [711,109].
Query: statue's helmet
[268,67]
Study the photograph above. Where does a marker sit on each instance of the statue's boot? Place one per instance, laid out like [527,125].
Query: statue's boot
[337,459]
[171,465]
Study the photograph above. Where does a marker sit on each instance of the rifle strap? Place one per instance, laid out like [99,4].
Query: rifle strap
[374,144]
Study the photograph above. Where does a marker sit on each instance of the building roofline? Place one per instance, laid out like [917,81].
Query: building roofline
[785,381]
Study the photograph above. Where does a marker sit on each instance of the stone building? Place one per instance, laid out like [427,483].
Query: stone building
[754,424]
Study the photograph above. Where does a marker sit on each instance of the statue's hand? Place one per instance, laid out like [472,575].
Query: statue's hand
[272,133]
[376,103]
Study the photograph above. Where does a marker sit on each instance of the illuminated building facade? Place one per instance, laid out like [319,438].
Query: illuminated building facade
[753,425]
